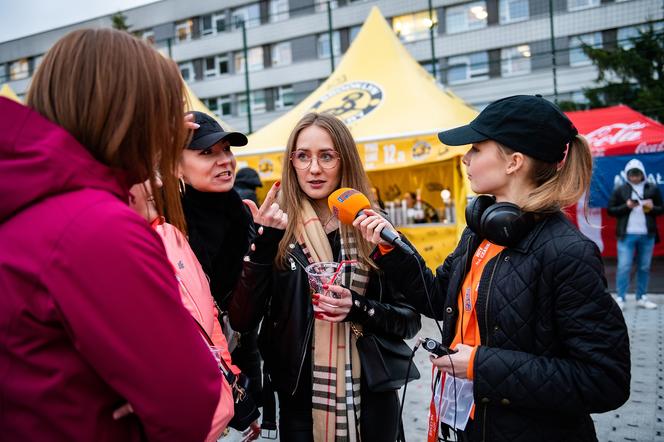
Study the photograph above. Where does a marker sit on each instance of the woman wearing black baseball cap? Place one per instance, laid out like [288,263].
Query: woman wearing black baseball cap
[219,227]
[523,297]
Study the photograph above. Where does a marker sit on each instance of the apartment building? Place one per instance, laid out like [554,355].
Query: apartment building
[483,49]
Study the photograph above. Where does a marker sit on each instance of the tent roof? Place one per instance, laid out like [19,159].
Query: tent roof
[6,91]
[378,89]
[619,130]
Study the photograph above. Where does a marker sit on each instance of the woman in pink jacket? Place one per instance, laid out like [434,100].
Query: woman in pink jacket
[90,314]
[194,292]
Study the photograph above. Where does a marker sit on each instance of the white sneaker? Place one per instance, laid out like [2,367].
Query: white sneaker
[621,304]
[644,303]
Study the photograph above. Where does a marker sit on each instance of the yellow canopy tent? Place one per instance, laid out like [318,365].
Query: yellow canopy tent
[6,91]
[394,110]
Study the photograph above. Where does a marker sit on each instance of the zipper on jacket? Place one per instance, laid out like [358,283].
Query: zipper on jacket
[304,350]
[292,259]
[486,323]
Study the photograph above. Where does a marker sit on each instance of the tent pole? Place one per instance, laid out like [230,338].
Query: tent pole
[553,54]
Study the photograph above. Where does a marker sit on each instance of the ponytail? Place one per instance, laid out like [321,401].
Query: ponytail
[559,187]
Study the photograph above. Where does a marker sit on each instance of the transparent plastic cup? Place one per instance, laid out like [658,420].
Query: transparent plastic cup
[321,273]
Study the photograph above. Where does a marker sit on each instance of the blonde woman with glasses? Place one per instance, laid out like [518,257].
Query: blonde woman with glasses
[307,340]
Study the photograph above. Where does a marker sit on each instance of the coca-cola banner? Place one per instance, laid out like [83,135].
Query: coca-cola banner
[608,173]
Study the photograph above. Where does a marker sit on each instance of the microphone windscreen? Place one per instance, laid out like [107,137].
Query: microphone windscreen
[346,203]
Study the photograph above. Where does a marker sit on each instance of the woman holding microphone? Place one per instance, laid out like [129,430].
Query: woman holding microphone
[308,340]
[523,297]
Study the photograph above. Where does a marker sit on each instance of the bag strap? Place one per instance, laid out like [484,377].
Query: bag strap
[225,369]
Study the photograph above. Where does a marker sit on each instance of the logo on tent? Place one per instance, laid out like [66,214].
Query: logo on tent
[350,101]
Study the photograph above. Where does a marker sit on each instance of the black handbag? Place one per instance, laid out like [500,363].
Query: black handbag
[385,361]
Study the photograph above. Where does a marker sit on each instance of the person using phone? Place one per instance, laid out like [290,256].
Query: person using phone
[523,297]
[636,204]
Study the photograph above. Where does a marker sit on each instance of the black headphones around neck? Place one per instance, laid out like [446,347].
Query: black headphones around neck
[504,224]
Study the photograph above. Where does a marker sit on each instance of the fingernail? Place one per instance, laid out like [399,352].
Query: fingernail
[315,296]
[318,315]
[197,125]
[325,286]
[277,184]
[314,302]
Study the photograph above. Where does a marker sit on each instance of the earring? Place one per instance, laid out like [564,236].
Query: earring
[181,186]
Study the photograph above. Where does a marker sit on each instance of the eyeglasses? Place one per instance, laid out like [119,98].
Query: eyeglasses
[302,159]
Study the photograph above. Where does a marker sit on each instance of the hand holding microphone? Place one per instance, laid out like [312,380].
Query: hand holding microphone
[353,208]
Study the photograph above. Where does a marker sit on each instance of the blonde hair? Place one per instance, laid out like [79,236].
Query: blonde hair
[122,100]
[559,185]
[352,175]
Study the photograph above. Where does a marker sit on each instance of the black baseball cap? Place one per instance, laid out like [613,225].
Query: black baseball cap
[210,133]
[525,123]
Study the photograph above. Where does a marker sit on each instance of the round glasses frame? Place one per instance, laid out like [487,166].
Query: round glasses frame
[305,163]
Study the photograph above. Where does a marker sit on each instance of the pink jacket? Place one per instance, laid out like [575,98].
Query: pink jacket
[90,314]
[197,298]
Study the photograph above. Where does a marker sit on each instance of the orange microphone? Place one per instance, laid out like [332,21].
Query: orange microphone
[347,204]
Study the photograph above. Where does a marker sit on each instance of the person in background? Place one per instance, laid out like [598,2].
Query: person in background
[425,213]
[308,340]
[375,193]
[523,297]
[219,225]
[90,313]
[636,204]
[246,183]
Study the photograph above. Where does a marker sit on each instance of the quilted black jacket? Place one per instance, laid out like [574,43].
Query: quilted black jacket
[554,345]
[283,298]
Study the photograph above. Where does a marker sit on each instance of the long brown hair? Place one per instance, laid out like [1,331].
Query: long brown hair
[352,175]
[122,100]
[559,185]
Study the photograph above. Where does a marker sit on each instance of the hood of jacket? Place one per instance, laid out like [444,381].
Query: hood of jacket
[39,159]
[248,178]
[635,164]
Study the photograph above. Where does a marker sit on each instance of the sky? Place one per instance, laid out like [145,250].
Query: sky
[19,18]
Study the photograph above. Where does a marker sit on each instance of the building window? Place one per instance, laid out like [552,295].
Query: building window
[257,103]
[352,33]
[255,60]
[412,27]
[626,36]
[148,36]
[464,68]
[210,70]
[225,106]
[515,60]
[576,55]
[575,5]
[321,5]
[223,64]
[213,24]
[212,104]
[187,71]
[282,54]
[466,17]
[183,30]
[513,10]
[278,10]
[324,44]
[285,97]
[3,73]
[19,69]
[250,14]
[37,61]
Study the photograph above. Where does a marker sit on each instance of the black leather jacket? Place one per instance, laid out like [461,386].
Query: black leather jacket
[283,298]
[554,345]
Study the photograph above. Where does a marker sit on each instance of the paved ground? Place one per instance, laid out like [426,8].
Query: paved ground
[640,419]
